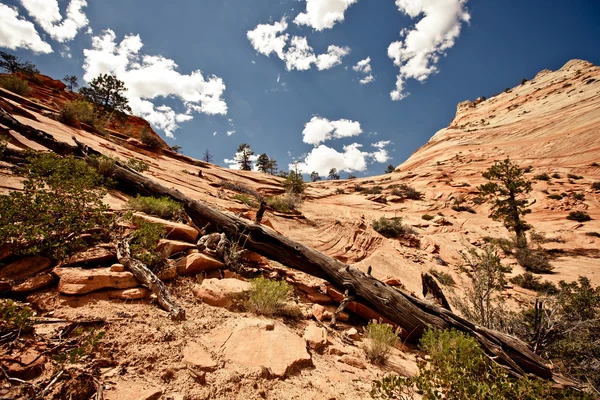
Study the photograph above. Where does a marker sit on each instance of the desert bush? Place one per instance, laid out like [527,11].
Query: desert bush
[15,85]
[373,190]
[163,207]
[144,241]
[461,208]
[555,196]
[245,199]
[137,165]
[593,234]
[61,199]
[579,216]
[103,164]
[14,318]
[574,177]
[267,297]
[579,196]
[529,281]
[77,111]
[149,139]
[381,339]
[294,183]
[533,260]
[443,277]
[596,186]
[556,175]
[340,191]
[427,217]
[459,369]
[392,227]
[240,188]
[407,192]
[542,177]
[286,203]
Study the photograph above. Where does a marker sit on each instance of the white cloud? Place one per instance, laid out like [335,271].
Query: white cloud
[295,52]
[47,14]
[381,154]
[229,133]
[149,77]
[419,51]
[364,67]
[65,52]
[18,33]
[323,14]
[215,133]
[320,129]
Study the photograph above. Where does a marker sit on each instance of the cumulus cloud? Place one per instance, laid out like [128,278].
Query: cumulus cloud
[47,14]
[297,54]
[322,158]
[364,67]
[381,154]
[323,14]
[149,77]
[422,46]
[320,129]
[18,33]
[233,164]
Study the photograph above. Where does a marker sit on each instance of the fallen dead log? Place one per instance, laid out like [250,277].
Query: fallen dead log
[412,314]
[147,277]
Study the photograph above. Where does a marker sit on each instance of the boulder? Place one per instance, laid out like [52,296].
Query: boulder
[169,247]
[174,230]
[24,267]
[195,263]
[81,281]
[33,284]
[319,298]
[255,343]
[315,337]
[117,268]
[352,361]
[95,255]
[352,333]
[128,294]
[326,313]
[220,292]
[195,355]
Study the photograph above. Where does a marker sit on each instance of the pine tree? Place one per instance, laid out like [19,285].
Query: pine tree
[262,163]
[333,174]
[71,82]
[207,157]
[505,191]
[390,168]
[294,182]
[314,176]
[14,64]
[242,156]
[106,92]
[272,166]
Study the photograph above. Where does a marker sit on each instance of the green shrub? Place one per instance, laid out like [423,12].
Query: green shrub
[593,234]
[61,200]
[579,196]
[163,207]
[596,186]
[579,216]
[556,175]
[103,164]
[458,369]
[542,177]
[285,203]
[381,339]
[407,192]
[245,199]
[427,217]
[461,208]
[77,111]
[15,85]
[294,182]
[574,177]
[443,277]
[137,165]
[144,241]
[533,260]
[14,317]
[372,190]
[532,282]
[268,297]
[240,188]
[340,191]
[594,164]
[149,139]
[392,227]
[555,196]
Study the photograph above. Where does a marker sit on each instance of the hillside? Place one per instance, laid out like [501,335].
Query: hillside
[549,125]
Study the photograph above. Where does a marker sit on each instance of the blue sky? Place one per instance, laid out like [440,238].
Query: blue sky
[298,97]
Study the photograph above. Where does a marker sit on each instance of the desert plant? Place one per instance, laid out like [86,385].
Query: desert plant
[542,177]
[15,318]
[144,241]
[103,164]
[340,191]
[579,216]
[137,165]
[243,157]
[61,200]
[381,339]
[593,234]
[15,85]
[595,186]
[427,217]
[533,260]
[392,227]
[579,196]
[390,169]
[556,175]
[333,174]
[163,207]
[443,277]
[529,281]
[407,192]
[106,92]
[574,177]
[267,297]
[294,182]
[14,64]
[245,199]
[555,196]
[76,111]
[314,176]
[285,203]
[240,188]
[149,139]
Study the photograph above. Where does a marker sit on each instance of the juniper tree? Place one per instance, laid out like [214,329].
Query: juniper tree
[390,168]
[14,64]
[506,191]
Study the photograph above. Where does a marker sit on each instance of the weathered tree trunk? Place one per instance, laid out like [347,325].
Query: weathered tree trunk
[431,288]
[412,314]
[147,277]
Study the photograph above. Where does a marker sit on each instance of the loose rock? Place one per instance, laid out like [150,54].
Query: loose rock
[81,281]
[220,292]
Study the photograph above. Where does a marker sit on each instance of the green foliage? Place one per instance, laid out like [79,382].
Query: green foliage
[574,177]
[268,297]
[390,168]
[579,196]
[176,148]
[103,164]
[579,216]
[106,93]
[542,177]
[333,174]
[294,182]
[556,175]
[427,217]
[392,227]
[240,188]
[144,241]
[61,200]
[86,343]
[76,111]
[14,64]
[529,281]
[505,191]
[555,196]
[381,338]
[163,207]
[593,234]
[443,277]
[15,85]
[533,260]
[407,192]
[242,157]
[285,203]
[149,139]
[459,369]
[264,162]
[71,81]
[340,191]
[137,165]
[461,208]
[14,317]
[314,176]
[247,200]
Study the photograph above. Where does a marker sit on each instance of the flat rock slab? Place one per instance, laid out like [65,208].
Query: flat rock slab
[81,281]
[220,292]
[125,390]
[195,263]
[195,355]
[174,230]
[261,343]
[95,255]
[168,247]
[24,267]
[315,336]
[35,283]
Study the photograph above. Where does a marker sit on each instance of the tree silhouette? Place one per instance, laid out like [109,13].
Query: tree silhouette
[314,176]
[390,168]
[71,82]
[207,157]
[14,64]
[106,92]
[333,174]
[242,157]
[262,163]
